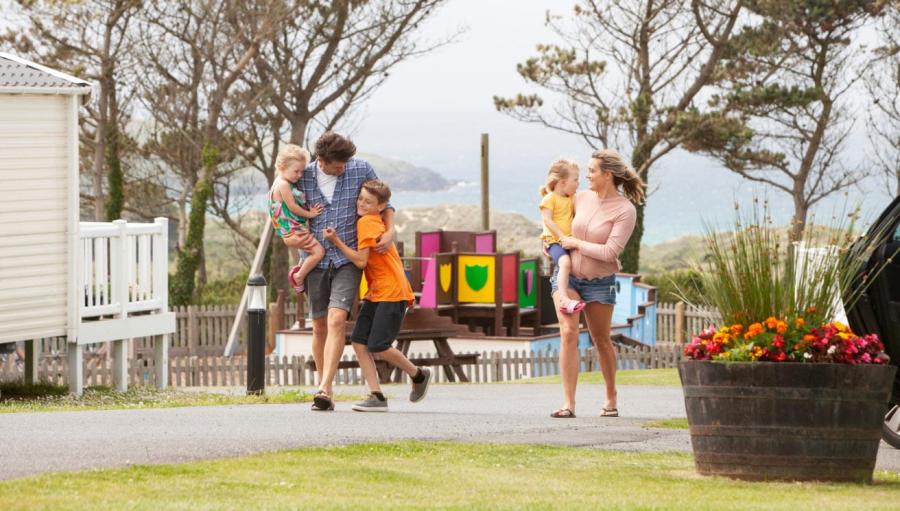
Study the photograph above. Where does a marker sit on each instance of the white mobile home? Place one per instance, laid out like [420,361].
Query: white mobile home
[91,282]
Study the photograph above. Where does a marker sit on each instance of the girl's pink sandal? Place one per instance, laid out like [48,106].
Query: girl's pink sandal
[572,307]
[298,287]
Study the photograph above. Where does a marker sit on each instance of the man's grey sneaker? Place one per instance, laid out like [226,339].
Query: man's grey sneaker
[371,404]
[420,389]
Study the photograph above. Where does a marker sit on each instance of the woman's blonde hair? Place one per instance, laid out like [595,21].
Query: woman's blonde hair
[623,175]
[289,153]
[559,170]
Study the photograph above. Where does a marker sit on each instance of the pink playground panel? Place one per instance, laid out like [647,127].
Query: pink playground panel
[484,243]
[428,300]
[430,245]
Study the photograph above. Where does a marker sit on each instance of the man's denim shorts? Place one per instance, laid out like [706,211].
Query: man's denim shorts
[600,290]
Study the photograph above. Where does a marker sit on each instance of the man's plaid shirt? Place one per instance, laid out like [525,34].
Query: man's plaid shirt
[340,213]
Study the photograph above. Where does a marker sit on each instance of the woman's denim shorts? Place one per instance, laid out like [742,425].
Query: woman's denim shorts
[600,290]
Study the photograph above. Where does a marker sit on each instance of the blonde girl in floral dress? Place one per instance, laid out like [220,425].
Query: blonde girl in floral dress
[290,214]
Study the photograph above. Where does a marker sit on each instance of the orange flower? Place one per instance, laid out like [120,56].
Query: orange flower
[809,338]
[799,322]
[754,330]
[811,310]
[771,322]
[736,329]
[781,327]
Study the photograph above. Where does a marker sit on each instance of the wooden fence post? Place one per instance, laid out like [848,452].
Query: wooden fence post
[679,323]
[193,324]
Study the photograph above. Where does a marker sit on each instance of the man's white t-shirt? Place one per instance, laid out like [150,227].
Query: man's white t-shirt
[327,183]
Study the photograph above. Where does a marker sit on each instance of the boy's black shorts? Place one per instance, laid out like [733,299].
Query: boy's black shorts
[378,324]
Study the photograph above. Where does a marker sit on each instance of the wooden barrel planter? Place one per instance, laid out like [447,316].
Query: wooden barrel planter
[786,421]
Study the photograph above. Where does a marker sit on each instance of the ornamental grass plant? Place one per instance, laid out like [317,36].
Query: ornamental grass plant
[779,299]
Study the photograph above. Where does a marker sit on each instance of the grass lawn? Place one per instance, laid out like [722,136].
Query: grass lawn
[660,377]
[50,398]
[681,423]
[417,475]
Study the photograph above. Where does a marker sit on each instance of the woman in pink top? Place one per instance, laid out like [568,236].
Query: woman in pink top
[603,223]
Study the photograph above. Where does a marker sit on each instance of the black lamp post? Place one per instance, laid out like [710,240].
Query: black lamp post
[256,340]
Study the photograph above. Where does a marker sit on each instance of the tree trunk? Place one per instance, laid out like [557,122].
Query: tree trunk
[189,257]
[115,180]
[641,109]
[798,222]
[298,131]
[182,218]
[202,277]
[99,157]
[631,255]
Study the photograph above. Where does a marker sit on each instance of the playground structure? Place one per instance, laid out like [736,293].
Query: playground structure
[494,291]
[92,282]
[461,275]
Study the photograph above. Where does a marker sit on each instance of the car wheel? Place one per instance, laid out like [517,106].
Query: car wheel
[890,430]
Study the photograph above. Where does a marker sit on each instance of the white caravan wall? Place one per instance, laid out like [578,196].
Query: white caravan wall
[34,202]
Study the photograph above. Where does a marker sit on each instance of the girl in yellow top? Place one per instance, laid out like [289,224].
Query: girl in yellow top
[557,210]
[384,306]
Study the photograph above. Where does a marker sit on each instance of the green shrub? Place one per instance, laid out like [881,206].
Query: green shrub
[20,391]
[224,291]
[677,285]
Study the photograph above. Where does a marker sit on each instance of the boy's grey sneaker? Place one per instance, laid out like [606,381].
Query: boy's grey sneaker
[371,404]
[420,389]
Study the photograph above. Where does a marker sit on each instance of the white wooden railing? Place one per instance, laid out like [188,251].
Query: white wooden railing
[123,268]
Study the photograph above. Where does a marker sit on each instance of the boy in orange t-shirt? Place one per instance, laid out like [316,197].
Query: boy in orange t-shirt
[384,306]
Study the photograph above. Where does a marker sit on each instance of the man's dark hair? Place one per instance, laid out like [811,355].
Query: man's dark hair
[333,147]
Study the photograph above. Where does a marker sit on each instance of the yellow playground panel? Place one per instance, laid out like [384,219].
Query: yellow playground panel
[475,272]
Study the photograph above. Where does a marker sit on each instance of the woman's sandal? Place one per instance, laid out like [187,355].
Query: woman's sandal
[298,287]
[609,412]
[563,413]
[572,307]
[322,402]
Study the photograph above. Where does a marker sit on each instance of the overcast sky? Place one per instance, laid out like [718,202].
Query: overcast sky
[432,109]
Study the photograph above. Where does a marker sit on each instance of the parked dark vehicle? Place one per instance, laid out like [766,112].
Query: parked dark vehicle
[878,309]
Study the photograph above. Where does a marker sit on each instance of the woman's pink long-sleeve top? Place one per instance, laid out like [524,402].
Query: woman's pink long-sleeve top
[603,227]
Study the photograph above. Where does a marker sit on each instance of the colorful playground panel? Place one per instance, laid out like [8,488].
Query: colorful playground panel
[474,273]
[434,242]
[528,284]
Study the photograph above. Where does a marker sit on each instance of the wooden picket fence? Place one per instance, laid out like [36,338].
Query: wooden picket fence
[218,371]
[202,330]
[678,322]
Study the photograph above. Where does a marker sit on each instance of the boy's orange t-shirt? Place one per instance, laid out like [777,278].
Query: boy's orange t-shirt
[385,277]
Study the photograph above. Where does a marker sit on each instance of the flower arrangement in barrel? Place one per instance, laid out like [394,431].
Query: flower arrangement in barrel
[775,340]
[778,298]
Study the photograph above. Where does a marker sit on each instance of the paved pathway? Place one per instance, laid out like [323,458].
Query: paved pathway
[32,443]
